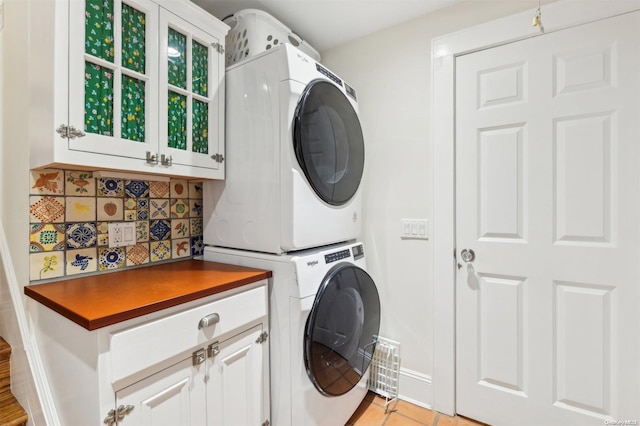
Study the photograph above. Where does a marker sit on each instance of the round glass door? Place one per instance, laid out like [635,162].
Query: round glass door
[342,330]
[328,142]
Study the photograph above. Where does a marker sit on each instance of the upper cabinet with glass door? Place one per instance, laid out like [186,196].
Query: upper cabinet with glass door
[142,82]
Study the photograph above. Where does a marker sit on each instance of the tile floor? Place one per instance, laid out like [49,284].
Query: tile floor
[401,413]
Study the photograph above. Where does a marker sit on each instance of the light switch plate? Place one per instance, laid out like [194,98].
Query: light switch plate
[414,229]
[122,234]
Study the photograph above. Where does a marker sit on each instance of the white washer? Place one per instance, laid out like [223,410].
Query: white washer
[294,157]
[324,321]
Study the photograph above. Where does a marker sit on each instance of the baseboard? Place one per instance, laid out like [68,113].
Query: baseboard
[416,388]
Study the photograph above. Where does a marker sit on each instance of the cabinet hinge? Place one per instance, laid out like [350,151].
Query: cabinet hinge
[218,47]
[219,158]
[263,337]
[266,423]
[117,415]
[69,132]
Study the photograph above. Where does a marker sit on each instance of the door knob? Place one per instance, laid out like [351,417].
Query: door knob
[468,255]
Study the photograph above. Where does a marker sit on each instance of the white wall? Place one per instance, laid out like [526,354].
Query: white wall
[391,72]
[14,207]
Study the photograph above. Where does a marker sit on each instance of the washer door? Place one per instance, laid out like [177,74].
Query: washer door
[342,330]
[328,142]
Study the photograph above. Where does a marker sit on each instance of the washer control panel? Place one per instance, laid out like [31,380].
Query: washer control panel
[337,255]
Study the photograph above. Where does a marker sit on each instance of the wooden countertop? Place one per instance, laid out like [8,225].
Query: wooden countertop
[100,300]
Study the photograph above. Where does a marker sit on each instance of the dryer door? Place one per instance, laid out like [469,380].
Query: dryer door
[328,142]
[342,329]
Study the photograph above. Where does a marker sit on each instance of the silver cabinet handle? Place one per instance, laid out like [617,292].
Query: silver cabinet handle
[468,255]
[209,320]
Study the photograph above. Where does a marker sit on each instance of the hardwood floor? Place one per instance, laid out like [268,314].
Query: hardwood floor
[401,413]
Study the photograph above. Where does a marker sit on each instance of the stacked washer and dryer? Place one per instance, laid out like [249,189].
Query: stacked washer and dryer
[291,203]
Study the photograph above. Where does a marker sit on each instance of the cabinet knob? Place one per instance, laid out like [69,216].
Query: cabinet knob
[166,161]
[152,158]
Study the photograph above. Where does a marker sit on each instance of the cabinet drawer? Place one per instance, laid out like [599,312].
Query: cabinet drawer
[142,346]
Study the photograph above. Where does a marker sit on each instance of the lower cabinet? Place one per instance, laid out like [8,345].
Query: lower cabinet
[218,385]
[205,362]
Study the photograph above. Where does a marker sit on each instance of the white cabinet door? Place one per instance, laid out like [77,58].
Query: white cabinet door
[113,60]
[172,397]
[191,94]
[235,388]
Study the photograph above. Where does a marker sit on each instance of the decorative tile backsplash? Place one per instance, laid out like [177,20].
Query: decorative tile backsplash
[70,211]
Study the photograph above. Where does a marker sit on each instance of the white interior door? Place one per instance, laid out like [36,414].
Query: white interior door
[547,198]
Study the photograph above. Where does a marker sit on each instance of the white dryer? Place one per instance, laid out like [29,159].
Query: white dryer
[294,157]
[324,316]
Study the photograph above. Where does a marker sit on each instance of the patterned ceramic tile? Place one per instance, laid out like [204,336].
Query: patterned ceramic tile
[80,183]
[46,265]
[130,215]
[111,258]
[197,246]
[195,208]
[110,209]
[136,188]
[108,187]
[80,209]
[130,203]
[46,209]
[138,254]
[159,230]
[82,261]
[195,226]
[195,190]
[179,208]
[47,182]
[142,208]
[103,233]
[159,209]
[159,189]
[46,237]
[142,231]
[180,228]
[179,188]
[160,250]
[81,235]
[180,248]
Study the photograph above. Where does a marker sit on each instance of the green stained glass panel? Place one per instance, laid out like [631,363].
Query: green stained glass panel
[200,133]
[98,25]
[133,110]
[177,121]
[177,62]
[133,39]
[98,99]
[200,71]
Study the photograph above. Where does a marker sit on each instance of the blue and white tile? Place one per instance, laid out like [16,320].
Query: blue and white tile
[195,190]
[159,208]
[195,208]
[82,261]
[81,235]
[111,258]
[137,188]
[159,230]
[197,246]
[108,187]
